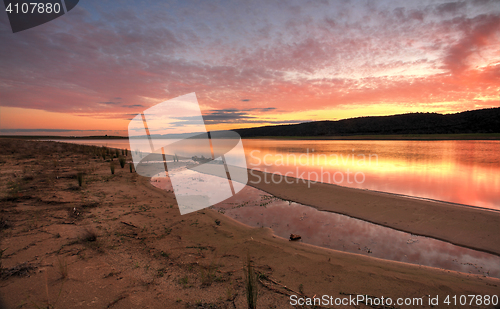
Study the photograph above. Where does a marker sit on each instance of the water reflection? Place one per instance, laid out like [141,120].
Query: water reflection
[465,172]
[330,230]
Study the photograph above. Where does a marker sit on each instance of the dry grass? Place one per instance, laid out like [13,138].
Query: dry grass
[251,284]
[62,267]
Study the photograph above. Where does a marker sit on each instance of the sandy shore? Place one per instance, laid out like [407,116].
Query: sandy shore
[119,242]
[461,225]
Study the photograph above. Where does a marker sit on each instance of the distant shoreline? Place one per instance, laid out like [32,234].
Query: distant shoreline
[408,137]
[35,137]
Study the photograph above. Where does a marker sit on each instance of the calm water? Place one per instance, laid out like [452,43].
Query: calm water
[465,172]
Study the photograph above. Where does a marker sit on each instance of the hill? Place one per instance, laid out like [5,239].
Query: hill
[476,121]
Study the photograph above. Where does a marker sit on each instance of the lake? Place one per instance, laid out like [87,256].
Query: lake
[463,172]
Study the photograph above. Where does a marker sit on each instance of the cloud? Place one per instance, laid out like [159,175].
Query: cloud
[451,8]
[133,105]
[109,60]
[35,130]
[232,115]
[226,116]
[13,131]
[478,33]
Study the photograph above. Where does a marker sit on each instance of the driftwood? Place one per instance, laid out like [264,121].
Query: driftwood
[129,224]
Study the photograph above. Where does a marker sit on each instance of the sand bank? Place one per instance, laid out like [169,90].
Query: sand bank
[461,225]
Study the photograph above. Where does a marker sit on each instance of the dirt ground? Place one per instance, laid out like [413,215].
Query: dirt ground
[118,242]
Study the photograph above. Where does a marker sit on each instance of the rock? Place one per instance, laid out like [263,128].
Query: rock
[295,237]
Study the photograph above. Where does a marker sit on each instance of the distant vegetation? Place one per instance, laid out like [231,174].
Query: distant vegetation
[477,121]
[476,124]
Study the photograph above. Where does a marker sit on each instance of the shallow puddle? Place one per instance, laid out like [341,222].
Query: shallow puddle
[256,208]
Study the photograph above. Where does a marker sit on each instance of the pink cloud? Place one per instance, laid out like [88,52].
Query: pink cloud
[478,33]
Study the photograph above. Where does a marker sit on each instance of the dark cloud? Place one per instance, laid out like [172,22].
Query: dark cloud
[226,116]
[133,105]
[276,122]
[232,115]
[265,109]
[451,8]
[229,115]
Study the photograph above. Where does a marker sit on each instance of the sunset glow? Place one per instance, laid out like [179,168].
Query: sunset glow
[250,64]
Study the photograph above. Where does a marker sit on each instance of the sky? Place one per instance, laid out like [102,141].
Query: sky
[250,63]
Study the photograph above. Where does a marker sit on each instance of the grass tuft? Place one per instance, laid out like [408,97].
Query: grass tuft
[184,281]
[122,162]
[208,276]
[14,190]
[1,266]
[89,235]
[79,176]
[229,293]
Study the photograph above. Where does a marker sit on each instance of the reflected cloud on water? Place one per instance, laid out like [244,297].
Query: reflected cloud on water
[256,208]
